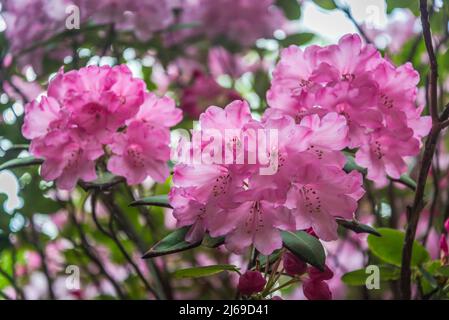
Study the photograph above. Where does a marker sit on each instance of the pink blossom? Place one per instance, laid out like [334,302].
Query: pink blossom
[83,112]
[241,21]
[377,99]
[139,152]
[223,62]
[68,155]
[321,194]
[203,92]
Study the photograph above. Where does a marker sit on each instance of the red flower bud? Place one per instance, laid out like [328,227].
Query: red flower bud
[317,290]
[317,275]
[293,265]
[251,282]
[443,246]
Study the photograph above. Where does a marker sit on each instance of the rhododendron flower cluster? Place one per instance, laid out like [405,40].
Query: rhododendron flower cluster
[241,21]
[100,113]
[377,99]
[306,188]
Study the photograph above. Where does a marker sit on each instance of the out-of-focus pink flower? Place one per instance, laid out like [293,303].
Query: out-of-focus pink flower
[141,17]
[251,282]
[60,218]
[242,21]
[30,90]
[223,62]
[446,225]
[203,92]
[293,265]
[397,32]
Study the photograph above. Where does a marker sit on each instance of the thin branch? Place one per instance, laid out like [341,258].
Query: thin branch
[346,10]
[111,234]
[13,283]
[87,249]
[41,252]
[418,203]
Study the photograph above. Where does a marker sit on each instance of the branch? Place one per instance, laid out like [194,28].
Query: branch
[87,249]
[346,10]
[418,203]
[112,235]
[41,252]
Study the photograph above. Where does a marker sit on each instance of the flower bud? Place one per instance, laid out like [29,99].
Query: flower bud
[293,265]
[443,246]
[446,225]
[251,282]
[317,290]
[317,275]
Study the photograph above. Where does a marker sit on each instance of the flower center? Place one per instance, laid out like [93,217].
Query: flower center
[135,156]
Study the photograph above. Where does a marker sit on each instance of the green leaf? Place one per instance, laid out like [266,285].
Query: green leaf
[325,4]
[412,5]
[211,242]
[206,271]
[351,165]
[408,181]
[174,242]
[358,277]
[297,39]
[443,271]
[306,247]
[158,201]
[291,8]
[271,258]
[106,181]
[20,162]
[388,247]
[428,278]
[357,227]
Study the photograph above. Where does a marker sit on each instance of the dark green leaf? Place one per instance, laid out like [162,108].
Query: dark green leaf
[20,162]
[271,258]
[159,201]
[306,247]
[297,39]
[388,247]
[210,242]
[291,8]
[174,242]
[351,165]
[412,5]
[357,227]
[206,271]
[104,182]
[325,4]
[358,277]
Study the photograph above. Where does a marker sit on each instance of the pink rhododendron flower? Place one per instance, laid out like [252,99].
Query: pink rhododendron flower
[377,99]
[83,112]
[139,152]
[307,188]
